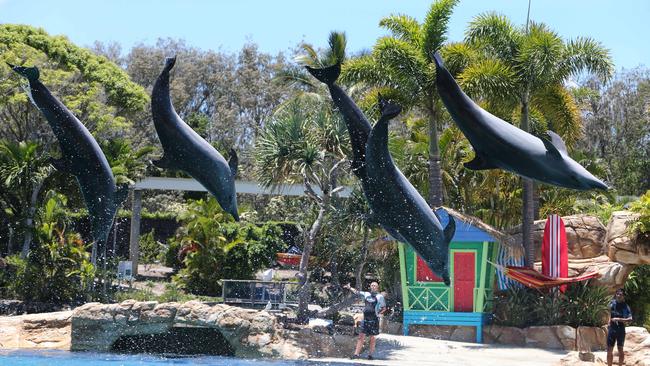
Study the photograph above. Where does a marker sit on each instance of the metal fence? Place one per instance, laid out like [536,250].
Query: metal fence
[254,292]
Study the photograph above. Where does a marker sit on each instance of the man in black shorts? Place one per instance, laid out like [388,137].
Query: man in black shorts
[374,305]
[620,314]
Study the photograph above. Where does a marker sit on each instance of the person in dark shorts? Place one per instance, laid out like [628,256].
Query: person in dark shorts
[620,314]
[374,305]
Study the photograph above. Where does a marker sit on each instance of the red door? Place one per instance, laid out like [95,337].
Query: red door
[464,279]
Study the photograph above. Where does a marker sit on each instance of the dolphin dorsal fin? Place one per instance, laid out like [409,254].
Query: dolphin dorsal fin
[550,148]
[557,141]
[233,162]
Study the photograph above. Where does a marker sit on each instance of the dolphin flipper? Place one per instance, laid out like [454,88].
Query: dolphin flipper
[233,162]
[164,163]
[121,193]
[62,165]
[450,229]
[479,163]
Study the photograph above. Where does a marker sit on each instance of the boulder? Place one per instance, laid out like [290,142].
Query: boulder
[504,335]
[551,337]
[36,331]
[612,274]
[622,245]
[591,339]
[585,236]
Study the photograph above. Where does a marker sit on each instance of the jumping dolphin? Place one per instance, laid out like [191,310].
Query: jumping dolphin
[396,204]
[185,150]
[498,144]
[357,125]
[356,122]
[81,157]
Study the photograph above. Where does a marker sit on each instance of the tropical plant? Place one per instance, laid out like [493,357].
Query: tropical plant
[150,249]
[58,270]
[401,67]
[23,170]
[523,70]
[214,248]
[305,142]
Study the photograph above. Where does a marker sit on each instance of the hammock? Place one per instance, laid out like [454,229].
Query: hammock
[531,278]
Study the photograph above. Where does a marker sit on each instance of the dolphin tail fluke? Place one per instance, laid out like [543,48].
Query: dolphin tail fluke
[31,73]
[327,75]
[389,109]
[170,62]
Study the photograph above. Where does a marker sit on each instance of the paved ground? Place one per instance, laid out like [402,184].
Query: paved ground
[401,350]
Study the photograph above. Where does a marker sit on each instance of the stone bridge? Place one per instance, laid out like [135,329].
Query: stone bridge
[247,333]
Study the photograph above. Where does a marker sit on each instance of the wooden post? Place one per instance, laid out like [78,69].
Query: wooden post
[134,239]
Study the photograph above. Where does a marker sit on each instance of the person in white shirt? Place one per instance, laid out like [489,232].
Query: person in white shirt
[374,307]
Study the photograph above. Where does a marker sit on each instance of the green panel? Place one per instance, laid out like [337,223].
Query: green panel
[402,269]
[427,298]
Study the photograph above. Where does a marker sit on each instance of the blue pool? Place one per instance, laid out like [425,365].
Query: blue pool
[64,358]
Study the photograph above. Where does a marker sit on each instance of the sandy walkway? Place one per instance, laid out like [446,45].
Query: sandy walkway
[400,350]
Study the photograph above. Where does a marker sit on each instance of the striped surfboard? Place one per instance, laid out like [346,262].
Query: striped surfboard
[555,258]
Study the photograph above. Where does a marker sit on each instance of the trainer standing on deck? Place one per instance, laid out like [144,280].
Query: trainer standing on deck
[374,306]
[620,314]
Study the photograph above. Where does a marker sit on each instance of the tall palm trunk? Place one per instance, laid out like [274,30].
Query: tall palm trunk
[527,199]
[435,170]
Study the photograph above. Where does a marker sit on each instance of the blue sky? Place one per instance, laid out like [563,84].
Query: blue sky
[279,25]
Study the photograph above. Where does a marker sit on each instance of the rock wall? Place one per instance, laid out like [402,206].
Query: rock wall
[545,337]
[36,331]
[623,246]
[251,333]
[612,251]
[585,236]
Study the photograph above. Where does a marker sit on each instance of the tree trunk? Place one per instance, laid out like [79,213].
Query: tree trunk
[29,220]
[527,199]
[435,171]
[10,241]
[362,263]
[304,293]
[535,201]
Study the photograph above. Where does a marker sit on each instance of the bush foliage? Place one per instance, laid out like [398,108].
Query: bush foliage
[580,305]
[216,249]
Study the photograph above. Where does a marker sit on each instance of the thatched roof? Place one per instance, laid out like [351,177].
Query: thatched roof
[514,248]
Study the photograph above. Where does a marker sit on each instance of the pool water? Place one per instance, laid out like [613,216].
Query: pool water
[65,358]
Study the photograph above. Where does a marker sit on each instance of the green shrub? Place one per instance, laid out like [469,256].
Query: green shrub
[637,294]
[217,249]
[580,305]
[642,206]
[150,248]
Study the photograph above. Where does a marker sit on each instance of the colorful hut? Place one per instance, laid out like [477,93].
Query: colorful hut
[468,299]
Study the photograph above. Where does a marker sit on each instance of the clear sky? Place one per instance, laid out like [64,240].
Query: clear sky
[279,25]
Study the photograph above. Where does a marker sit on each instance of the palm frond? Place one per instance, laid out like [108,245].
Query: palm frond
[495,34]
[435,26]
[560,110]
[403,27]
[584,53]
[403,63]
[490,79]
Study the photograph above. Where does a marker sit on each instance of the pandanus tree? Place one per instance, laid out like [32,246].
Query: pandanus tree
[305,142]
[522,71]
[401,67]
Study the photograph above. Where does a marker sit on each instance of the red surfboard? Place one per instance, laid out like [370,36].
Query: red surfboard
[555,257]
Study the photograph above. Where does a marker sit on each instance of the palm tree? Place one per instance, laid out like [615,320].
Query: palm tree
[23,170]
[305,142]
[401,66]
[524,70]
